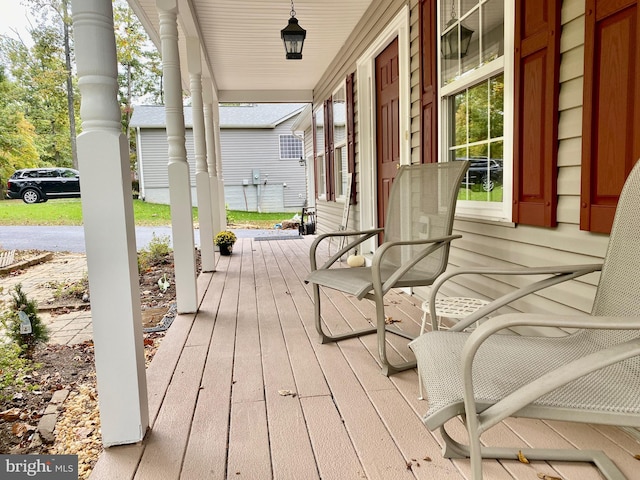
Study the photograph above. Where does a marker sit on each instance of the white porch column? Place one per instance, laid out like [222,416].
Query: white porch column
[216,132]
[207,95]
[178,168]
[109,230]
[203,187]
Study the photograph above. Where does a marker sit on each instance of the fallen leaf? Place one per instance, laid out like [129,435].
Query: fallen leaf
[408,465]
[389,320]
[544,476]
[427,459]
[637,457]
[522,458]
[20,428]
[287,393]
[10,415]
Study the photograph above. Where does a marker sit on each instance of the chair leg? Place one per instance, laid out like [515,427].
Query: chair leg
[325,337]
[387,367]
[454,449]
[381,329]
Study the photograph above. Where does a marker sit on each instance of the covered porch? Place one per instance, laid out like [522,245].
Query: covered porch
[243,389]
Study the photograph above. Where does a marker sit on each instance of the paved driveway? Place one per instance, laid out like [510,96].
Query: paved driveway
[71,239]
[67,239]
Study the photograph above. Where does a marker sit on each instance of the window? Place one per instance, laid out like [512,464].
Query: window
[339,116]
[333,142]
[290,147]
[477,136]
[475,80]
[318,142]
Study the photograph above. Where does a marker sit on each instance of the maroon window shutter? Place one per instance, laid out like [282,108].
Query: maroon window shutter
[351,138]
[428,81]
[611,116]
[328,150]
[537,67]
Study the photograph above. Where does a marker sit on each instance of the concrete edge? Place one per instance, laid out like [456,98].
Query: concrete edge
[44,257]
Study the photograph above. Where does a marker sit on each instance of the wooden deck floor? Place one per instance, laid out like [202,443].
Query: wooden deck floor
[219,384]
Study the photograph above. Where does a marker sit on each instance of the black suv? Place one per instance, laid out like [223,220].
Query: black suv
[483,174]
[35,185]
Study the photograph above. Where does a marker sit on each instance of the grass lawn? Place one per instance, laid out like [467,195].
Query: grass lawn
[69,212]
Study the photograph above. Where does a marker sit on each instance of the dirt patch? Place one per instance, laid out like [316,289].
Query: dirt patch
[72,368]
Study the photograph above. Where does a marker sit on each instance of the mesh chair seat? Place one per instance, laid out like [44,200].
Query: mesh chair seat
[610,390]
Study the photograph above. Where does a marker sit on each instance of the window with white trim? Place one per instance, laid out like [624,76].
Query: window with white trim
[290,147]
[321,168]
[476,91]
[340,169]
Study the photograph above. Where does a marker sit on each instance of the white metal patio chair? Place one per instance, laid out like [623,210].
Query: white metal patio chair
[415,250]
[589,376]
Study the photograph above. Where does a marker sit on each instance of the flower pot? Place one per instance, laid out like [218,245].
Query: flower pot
[225,249]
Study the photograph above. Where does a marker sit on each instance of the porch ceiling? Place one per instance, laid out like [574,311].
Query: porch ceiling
[242,52]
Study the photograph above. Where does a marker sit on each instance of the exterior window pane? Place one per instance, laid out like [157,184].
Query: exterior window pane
[339,105]
[320,161]
[290,147]
[477,136]
[471,60]
[493,30]
[471,35]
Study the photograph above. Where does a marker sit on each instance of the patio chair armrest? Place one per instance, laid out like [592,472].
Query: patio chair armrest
[556,274]
[550,380]
[431,245]
[362,236]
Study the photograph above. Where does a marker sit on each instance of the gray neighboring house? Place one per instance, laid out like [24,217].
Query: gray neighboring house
[261,166]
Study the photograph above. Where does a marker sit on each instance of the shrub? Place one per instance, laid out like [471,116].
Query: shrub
[12,322]
[13,369]
[156,252]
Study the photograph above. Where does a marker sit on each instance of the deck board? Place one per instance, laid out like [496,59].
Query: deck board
[219,407]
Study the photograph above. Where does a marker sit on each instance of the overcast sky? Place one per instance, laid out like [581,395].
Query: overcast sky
[13,16]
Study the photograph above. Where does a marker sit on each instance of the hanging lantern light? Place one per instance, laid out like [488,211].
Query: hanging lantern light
[450,45]
[293,36]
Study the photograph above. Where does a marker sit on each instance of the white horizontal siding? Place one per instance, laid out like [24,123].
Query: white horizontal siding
[154,152]
[245,151]
[242,151]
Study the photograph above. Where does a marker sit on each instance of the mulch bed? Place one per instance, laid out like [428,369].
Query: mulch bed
[71,367]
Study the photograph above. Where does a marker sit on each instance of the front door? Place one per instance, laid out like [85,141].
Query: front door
[387,124]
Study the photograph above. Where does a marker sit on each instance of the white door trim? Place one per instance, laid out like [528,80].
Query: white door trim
[398,27]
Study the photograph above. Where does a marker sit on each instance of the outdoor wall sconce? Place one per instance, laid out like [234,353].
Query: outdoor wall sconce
[302,162]
[293,37]
[449,41]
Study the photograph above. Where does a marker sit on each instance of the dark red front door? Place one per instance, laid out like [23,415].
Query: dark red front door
[387,124]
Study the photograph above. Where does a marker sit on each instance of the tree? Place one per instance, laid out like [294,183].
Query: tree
[139,69]
[39,74]
[62,49]
[17,134]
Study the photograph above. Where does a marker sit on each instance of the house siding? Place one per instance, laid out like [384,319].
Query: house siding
[243,150]
[153,147]
[492,243]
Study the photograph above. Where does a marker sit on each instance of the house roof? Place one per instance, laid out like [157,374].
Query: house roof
[256,115]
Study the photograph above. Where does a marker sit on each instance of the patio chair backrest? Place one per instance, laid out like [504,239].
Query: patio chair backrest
[422,202]
[618,292]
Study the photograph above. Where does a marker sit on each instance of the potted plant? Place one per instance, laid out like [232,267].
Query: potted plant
[225,240]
